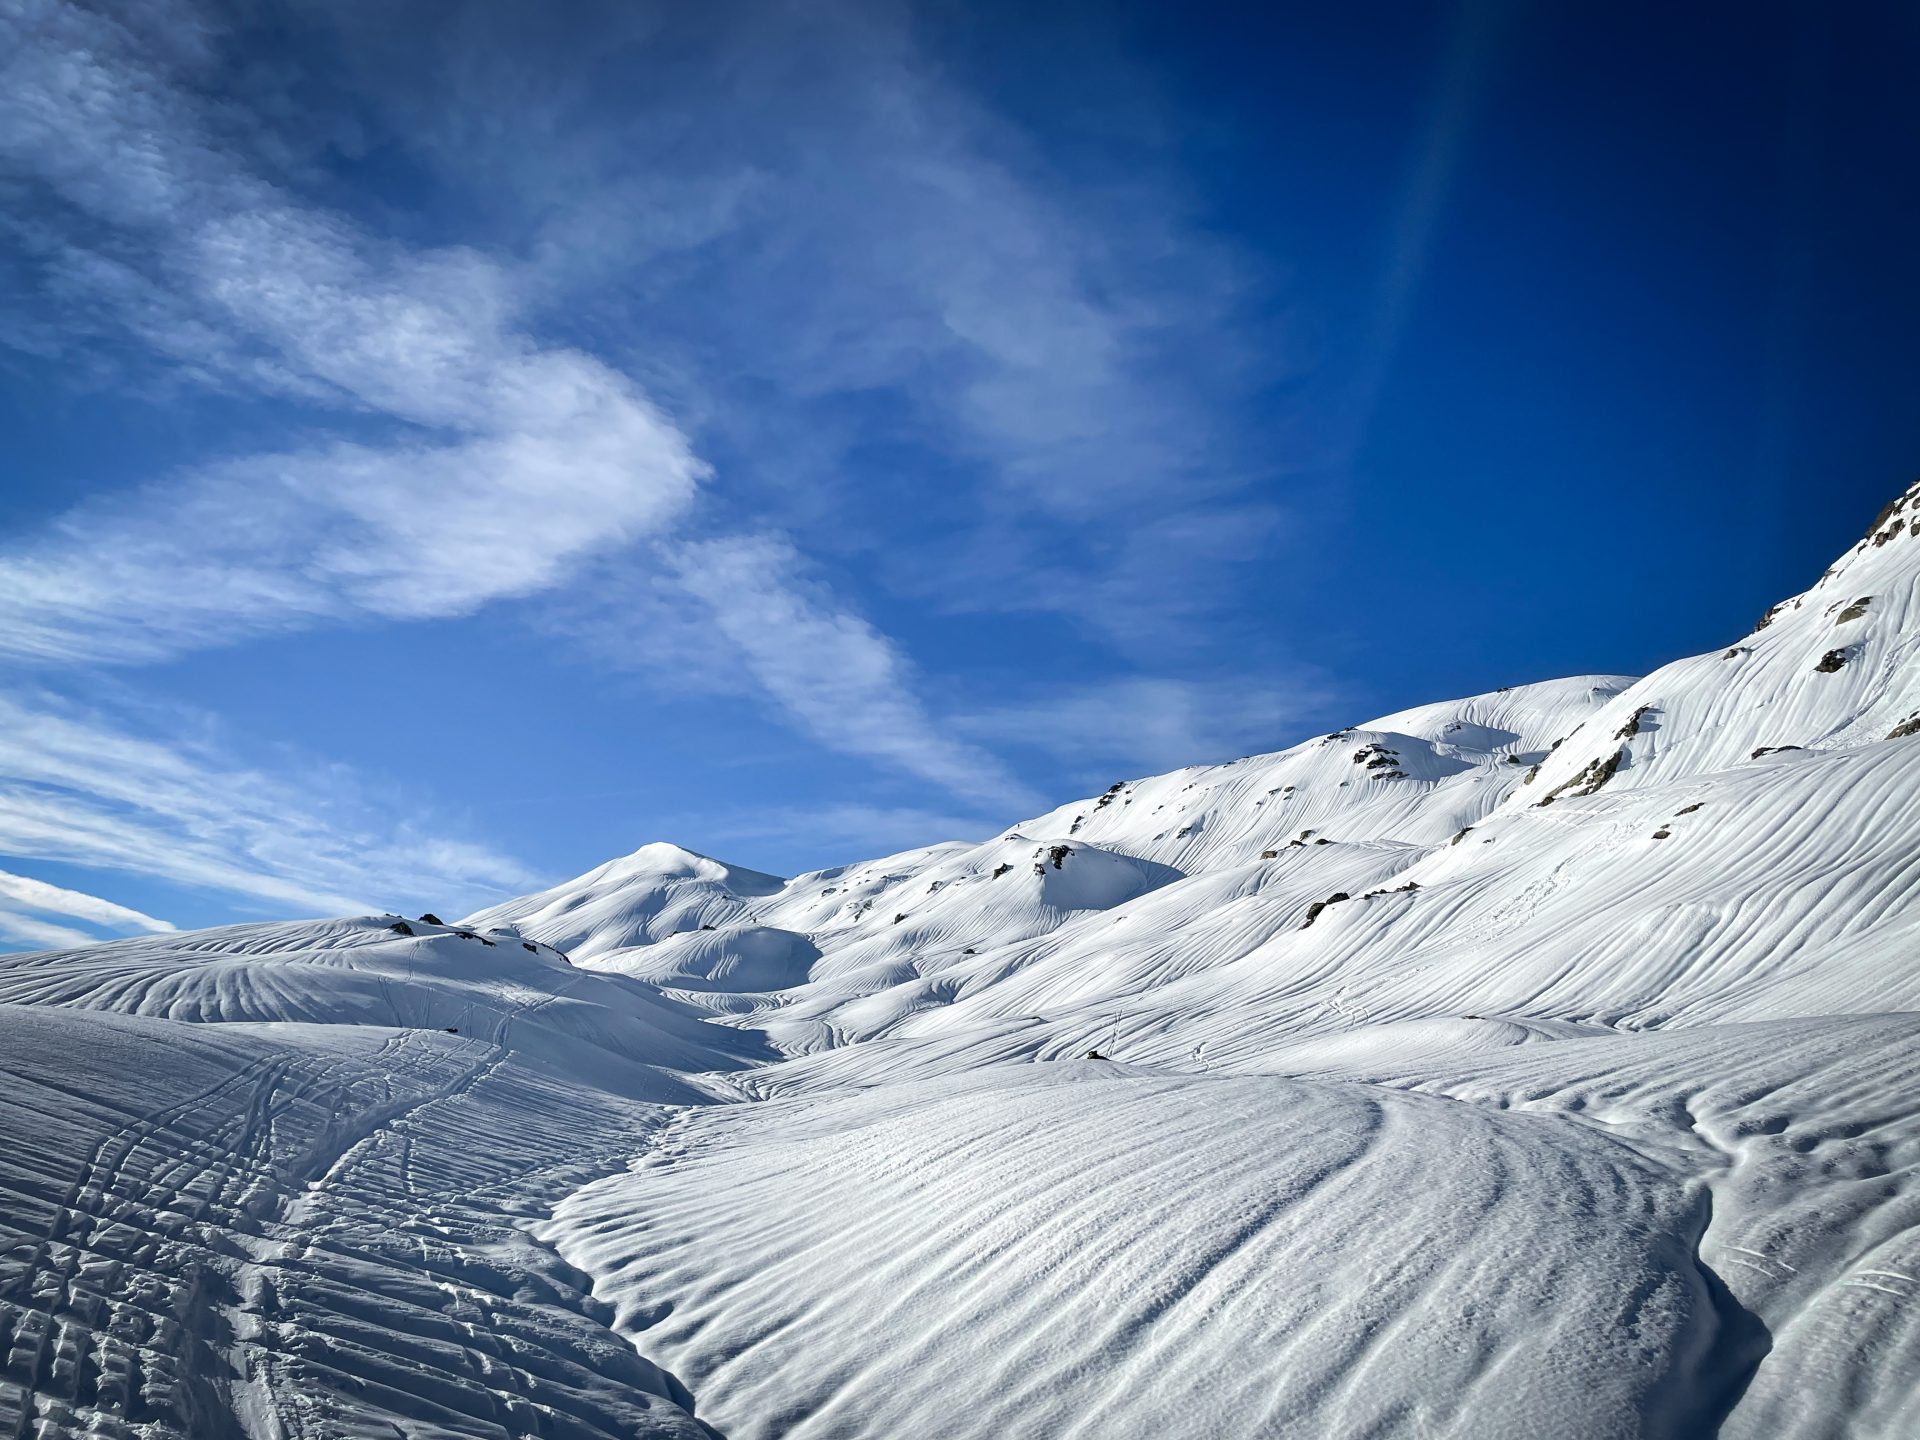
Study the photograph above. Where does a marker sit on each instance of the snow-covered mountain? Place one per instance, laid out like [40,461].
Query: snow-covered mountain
[1538,1063]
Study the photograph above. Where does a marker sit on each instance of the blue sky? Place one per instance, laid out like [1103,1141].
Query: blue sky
[448,446]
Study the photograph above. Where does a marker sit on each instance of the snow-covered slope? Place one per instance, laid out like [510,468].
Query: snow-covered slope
[1832,669]
[265,1181]
[1544,1062]
[657,891]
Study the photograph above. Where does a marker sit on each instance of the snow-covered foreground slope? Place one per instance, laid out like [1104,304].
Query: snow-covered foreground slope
[1537,1063]
[1090,1250]
[223,1225]
[1618,1235]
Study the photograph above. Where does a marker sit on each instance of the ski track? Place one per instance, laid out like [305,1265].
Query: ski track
[324,1241]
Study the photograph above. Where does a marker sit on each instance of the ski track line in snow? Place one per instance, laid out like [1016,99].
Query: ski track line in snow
[397,1284]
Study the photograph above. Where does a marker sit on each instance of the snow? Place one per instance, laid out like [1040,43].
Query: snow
[658,890]
[1535,1063]
[1101,1250]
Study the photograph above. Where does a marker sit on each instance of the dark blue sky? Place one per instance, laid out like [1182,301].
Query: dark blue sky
[448,447]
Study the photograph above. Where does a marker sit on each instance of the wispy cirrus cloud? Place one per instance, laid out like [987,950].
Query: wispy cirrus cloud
[512,457]
[502,461]
[864,830]
[1145,724]
[91,788]
[916,342]
[24,901]
[830,671]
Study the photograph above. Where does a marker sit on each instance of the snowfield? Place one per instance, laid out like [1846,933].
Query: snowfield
[1542,1063]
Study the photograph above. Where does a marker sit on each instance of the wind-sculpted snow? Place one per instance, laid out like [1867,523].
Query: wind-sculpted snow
[1834,668]
[1813,1133]
[361,972]
[1541,1063]
[1083,1250]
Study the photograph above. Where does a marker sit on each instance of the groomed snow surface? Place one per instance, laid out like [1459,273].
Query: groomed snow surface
[1540,1064]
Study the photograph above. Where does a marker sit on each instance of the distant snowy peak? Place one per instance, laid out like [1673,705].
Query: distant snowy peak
[638,899]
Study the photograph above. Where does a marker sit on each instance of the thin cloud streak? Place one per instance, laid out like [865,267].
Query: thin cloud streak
[32,894]
[1459,88]
[863,830]
[831,672]
[1058,350]
[1145,725]
[81,788]
[41,934]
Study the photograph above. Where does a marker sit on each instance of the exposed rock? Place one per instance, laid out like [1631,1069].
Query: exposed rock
[1885,526]
[1590,779]
[1313,910]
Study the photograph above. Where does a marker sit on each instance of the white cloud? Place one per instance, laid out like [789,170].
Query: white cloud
[32,894]
[1143,725]
[20,893]
[845,253]
[1064,343]
[849,831]
[503,461]
[41,934]
[830,672]
[514,458]
[81,788]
